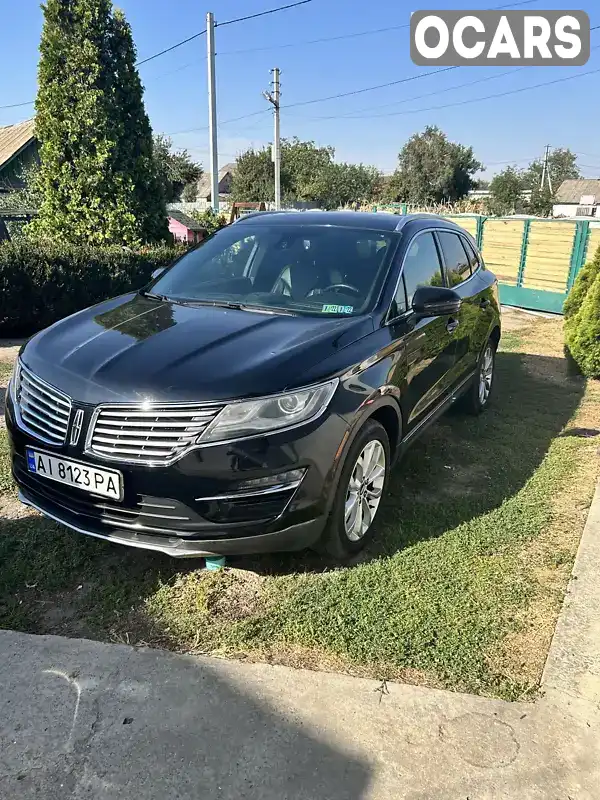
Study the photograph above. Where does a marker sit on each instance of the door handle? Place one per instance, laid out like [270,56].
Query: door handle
[452,325]
[484,303]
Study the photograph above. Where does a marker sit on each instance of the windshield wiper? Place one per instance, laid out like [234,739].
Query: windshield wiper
[238,306]
[162,297]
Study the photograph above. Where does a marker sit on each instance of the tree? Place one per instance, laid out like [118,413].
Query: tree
[176,170]
[506,191]
[562,166]
[97,173]
[308,173]
[432,169]
[254,176]
[347,184]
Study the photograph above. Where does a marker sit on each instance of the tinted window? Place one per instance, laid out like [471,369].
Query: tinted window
[310,269]
[458,268]
[421,265]
[472,255]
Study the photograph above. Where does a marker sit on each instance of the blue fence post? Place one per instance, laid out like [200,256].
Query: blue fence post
[578,254]
[524,245]
[479,232]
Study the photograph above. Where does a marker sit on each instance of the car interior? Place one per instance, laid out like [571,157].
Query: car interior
[304,268]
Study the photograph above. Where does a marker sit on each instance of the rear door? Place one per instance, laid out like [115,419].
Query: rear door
[424,373]
[460,265]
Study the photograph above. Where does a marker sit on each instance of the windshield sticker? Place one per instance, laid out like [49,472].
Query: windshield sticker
[328,309]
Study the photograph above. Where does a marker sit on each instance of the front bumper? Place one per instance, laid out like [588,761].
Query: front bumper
[296,537]
[194,507]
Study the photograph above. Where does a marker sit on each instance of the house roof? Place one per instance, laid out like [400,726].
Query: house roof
[571,191]
[204,184]
[13,139]
[190,223]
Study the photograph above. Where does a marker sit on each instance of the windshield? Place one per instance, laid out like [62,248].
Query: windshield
[312,269]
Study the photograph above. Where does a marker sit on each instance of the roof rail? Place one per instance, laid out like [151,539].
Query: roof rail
[406,218]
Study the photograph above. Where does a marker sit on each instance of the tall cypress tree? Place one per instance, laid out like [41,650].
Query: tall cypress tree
[97,176]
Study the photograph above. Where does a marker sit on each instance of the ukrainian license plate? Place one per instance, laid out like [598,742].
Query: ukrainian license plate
[105,482]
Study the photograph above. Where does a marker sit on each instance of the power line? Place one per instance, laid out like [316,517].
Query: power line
[224,122]
[487,97]
[264,13]
[354,113]
[168,49]
[347,35]
[191,39]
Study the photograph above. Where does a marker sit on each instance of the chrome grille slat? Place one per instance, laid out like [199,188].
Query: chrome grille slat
[156,435]
[45,388]
[28,412]
[38,400]
[161,433]
[44,411]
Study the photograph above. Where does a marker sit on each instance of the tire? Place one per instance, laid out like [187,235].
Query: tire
[342,540]
[477,398]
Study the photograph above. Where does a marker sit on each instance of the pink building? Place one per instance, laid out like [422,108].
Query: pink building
[184,228]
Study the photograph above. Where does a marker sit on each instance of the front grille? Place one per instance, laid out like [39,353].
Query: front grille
[44,411]
[155,436]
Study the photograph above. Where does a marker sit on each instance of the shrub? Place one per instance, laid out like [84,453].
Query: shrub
[582,332]
[583,281]
[42,283]
[210,220]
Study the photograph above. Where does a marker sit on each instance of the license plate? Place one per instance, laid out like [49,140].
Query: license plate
[105,482]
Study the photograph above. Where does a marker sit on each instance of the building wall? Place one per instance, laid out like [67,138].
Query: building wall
[180,232]
[10,175]
[567,210]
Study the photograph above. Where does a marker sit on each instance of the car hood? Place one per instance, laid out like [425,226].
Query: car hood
[135,348]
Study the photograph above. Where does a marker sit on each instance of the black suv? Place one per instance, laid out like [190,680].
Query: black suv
[254,396]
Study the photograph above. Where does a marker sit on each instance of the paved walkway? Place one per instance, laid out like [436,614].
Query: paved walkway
[80,719]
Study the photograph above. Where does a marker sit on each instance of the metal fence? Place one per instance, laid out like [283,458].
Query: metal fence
[536,260]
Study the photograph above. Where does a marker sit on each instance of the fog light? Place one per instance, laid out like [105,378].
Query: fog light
[283,479]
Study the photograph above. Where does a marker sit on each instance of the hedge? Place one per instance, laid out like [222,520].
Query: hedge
[42,283]
[582,332]
[585,278]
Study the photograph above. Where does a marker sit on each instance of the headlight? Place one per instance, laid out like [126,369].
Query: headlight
[252,417]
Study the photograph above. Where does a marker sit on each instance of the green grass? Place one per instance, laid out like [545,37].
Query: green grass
[471,561]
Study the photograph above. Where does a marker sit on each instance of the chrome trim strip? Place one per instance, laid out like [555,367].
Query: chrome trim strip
[117,540]
[448,400]
[240,495]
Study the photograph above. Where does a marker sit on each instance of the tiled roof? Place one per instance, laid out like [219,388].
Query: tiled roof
[204,184]
[13,138]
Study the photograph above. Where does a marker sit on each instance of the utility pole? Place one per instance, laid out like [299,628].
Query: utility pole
[546,171]
[273,98]
[212,111]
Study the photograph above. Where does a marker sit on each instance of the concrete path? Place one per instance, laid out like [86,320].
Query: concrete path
[80,719]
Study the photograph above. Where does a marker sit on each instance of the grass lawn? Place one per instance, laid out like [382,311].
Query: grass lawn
[461,589]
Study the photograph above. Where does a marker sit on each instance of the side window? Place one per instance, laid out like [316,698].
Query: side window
[472,255]
[421,265]
[458,267]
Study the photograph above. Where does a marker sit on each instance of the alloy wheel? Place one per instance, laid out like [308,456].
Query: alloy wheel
[486,375]
[364,490]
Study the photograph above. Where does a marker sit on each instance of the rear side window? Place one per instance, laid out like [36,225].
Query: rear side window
[472,255]
[458,265]
[421,266]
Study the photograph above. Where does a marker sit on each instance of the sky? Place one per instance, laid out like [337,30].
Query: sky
[369,127]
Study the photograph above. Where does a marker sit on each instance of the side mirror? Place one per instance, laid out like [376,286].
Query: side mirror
[435,301]
[158,272]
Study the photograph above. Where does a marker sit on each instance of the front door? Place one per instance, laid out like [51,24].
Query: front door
[424,374]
